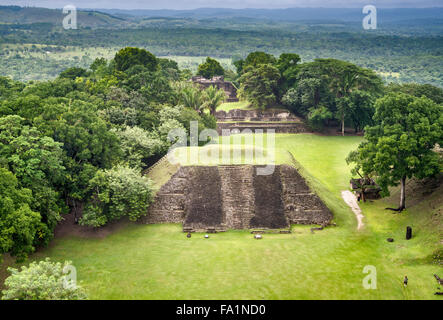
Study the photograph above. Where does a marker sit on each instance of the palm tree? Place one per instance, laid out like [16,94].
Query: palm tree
[192,97]
[213,98]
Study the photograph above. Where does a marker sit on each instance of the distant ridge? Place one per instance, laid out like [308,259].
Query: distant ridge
[117,18]
[289,14]
[30,15]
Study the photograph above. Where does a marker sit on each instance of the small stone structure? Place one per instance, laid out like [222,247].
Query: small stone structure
[372,190]
[256,115]
[218,198]
[282,121]
[223,127]
[220,83]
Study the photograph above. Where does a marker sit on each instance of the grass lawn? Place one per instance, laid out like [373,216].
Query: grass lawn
[242,105]
[159,262]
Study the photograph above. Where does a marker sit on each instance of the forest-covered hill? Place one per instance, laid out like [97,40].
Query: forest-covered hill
[31,15]
[404,48]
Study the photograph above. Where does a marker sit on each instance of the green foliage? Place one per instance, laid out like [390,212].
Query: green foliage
[9,87]
[213,98]
[36,161]
[259,85]
[210,68]
[116,193]
[44,280]
[361,109]
[139,145]
[258,58]
[88,144]
[73,73]
[129,57]
[153,86]
[400,53]
[400,144]
[98,64]
[19,225]
[345,89]
[287,65]
[191,97]
[59,140]
[418,90]
[318,117]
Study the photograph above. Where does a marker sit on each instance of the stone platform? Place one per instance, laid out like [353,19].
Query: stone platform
[219,198]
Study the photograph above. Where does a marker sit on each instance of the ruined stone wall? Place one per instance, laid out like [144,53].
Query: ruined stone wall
[256,115]
[235,197]
[219,83]
[282,121]
[253,126]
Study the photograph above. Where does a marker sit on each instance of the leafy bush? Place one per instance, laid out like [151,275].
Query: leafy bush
[138,145]
[118,192]
[318,117]
[44,280]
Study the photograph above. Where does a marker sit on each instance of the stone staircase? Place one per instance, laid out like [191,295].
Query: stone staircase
[225,197]
[204,200]
[238,195]
[269,206]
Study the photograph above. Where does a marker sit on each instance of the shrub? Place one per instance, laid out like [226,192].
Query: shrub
[44,280]
[118,192]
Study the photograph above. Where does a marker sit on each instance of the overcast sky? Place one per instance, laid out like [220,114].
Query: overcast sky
[192,4]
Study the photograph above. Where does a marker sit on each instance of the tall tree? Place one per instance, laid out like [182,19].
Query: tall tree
[210,68]
[400,144]
[129,57]
[254,59]
[260,85]
[36,161]
[287,65]
[19,225]
[345,77]
[415,89]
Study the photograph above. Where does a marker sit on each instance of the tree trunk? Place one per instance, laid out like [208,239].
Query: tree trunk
[402,197]
[403,194]
[343,124]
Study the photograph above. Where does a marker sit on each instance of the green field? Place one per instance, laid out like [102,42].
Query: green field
[241,105]
[159,262]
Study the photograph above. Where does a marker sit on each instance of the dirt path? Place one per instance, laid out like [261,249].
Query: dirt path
[351,201]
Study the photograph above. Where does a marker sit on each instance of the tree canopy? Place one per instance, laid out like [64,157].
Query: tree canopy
[259,85]
[129,57]
[210,68]
[400,144]
[64,139]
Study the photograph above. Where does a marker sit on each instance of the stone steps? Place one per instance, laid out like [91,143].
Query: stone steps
[237,195]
